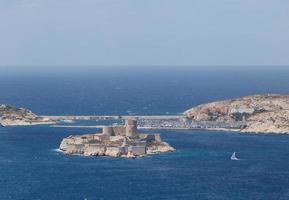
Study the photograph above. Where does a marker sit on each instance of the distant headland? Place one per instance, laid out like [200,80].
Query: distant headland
[258,113]
[12,116]
[267,113]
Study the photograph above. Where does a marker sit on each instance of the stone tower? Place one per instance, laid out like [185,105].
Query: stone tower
[107,130]
[131,128]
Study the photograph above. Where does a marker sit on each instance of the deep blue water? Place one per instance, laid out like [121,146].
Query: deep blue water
[199,169]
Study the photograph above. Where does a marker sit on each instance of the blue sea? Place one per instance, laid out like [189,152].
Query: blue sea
[32,169]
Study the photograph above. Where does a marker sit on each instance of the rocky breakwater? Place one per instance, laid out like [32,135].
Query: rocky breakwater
[259,113]
[116,141]
[12,116]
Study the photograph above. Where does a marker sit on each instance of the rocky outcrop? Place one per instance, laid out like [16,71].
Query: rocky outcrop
[12,116]
[116,141]
[261,113]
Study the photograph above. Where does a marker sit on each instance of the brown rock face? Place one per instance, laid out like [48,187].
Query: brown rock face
[262,113]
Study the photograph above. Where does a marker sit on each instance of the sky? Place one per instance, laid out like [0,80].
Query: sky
[144,32]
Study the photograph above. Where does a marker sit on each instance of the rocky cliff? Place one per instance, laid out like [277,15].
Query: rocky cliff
[12,116]
[116,141]
[261,113]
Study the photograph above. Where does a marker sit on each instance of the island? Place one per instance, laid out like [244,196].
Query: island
[258,114]
[267,113]
[116,141]
[12,116]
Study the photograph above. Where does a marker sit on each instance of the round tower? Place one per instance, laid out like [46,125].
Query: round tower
[107,130]
[131,128]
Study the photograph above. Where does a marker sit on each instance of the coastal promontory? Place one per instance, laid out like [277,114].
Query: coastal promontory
[13,116]
[259,113]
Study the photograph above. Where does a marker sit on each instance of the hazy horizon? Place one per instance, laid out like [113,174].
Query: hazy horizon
[90,69]
[151,32]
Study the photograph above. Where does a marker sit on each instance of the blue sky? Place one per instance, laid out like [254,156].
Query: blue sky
[144,32]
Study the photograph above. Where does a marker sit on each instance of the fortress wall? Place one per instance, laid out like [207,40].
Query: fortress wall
[95,150]
[75,148]
[108,130]
[131,131]
[102,137]
[115,151]
[119,130]
[131,128]
[150,137]
[137,150]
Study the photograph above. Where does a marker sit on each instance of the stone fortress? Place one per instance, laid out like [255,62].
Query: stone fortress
[115,141]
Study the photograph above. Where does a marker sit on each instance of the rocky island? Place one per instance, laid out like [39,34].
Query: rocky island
[259,113]
[116,141]
[12,116]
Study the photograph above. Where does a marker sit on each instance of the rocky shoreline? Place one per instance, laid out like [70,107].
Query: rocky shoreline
[257,114]
[12,116]
[116,141]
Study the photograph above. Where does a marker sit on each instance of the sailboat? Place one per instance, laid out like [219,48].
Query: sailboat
[233,157]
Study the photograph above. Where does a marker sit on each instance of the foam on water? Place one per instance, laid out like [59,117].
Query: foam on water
[57,150]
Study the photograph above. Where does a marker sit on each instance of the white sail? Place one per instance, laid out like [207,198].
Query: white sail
[233,157]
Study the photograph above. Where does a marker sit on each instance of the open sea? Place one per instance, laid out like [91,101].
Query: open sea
[32,169]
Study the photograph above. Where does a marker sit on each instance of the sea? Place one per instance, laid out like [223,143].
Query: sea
[31,167]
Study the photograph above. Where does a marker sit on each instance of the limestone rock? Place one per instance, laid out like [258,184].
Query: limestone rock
[159,147]
[261,113]
[115,143]
[12,116]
